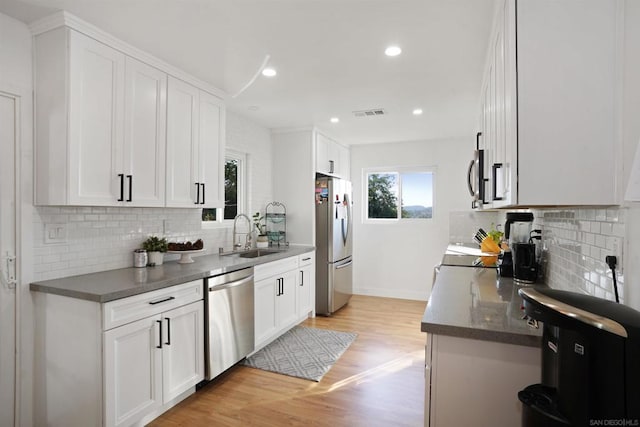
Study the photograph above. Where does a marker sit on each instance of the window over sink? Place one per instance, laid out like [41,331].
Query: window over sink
[398,194]
[234,190]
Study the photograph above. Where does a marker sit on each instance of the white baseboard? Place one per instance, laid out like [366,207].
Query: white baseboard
[392,293]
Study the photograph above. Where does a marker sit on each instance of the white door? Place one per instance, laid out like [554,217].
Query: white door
[132,371]
[96,121]
[8,140]
[182,349]
[145,134]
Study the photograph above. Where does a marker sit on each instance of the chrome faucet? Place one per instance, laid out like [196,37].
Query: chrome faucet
[247,242]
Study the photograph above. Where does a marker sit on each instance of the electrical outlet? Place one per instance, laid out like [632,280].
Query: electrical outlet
[55,233]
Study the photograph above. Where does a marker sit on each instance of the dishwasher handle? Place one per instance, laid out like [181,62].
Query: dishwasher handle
[231,284]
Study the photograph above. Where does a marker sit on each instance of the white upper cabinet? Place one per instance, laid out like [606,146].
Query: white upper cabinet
[195,147]
[79,119]
[332,158]
[110,148]
[145,133]
[549,102]
[101,124]
[211,159]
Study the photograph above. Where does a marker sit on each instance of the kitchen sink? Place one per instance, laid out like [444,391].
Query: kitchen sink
[255,253]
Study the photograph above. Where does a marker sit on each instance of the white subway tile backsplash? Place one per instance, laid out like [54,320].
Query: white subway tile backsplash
[601,233]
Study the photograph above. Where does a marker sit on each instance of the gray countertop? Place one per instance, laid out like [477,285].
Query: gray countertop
[115,284]
[476,303]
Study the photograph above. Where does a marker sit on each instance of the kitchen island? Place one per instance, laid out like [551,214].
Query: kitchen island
[479,352]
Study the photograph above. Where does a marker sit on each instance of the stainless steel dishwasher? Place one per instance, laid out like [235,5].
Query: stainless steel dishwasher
[229,320]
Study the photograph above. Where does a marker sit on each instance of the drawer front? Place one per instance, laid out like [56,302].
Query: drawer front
[264,271]
[306,259]
[126,310]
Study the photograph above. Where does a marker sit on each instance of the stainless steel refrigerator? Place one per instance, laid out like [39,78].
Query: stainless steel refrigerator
[334,231]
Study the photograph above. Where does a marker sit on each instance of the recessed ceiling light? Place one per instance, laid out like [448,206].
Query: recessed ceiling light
[392,51]
[269,72]
[334,120]
[253,108]
[417,111]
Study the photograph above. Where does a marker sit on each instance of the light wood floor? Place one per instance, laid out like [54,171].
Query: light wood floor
[378,381]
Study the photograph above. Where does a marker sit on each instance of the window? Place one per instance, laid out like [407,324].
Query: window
[397,194]
[234,194]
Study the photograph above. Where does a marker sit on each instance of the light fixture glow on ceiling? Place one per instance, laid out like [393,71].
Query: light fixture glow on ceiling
[334,120]
[392,51]
[269,72]
[417,111]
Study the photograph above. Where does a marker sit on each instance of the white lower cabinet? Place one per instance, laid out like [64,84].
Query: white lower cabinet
[183,350]
[470,382]
[150,362]
[306,285]
[120,363]
[279,291]
[133,371]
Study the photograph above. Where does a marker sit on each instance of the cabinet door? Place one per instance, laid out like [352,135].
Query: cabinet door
[182,349]
[265,309]
[96,101]
[132,371]
[335,166]
[211,157]
[501,163]
[145,134]
[345,162]
[182,144]
[286,307]
[322,154]
[306,278]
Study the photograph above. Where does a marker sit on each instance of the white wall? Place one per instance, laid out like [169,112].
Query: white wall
[15,79]
[396,260]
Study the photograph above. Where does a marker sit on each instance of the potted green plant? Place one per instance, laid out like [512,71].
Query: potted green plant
[155,247]
[261,241]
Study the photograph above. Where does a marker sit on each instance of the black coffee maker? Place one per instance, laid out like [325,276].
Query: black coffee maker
[520,261]
[590,361]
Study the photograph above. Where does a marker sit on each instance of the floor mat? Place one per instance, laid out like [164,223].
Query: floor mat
[303,352]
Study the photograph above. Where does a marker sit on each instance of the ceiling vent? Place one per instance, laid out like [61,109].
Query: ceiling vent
[370,113]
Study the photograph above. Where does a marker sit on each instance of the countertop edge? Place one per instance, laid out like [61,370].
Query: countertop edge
[482,335]
[56,286]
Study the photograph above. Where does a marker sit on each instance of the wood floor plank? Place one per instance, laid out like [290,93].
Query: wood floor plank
[378,381]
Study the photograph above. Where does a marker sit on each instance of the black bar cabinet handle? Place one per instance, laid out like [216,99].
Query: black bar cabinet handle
[331,166]
[168,331]
[162,300]
[203,193]
[494,173]
[197,193]
[121,176]
[160,340]
[130,178]
[301,278]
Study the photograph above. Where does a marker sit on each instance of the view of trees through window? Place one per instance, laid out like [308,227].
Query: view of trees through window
[397,195]
[230,193]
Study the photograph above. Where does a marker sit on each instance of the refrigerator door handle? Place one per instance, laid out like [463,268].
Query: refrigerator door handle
[346,264]
[345,229]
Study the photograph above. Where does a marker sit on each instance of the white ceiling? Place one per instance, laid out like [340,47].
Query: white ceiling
[328,54]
